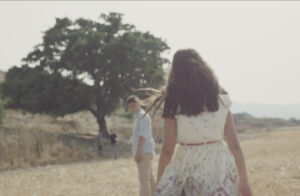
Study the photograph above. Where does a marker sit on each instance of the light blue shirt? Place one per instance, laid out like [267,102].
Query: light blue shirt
[142,127]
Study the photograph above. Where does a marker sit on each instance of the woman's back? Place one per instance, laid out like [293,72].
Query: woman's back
[201,169]
[198,117]
[207,126]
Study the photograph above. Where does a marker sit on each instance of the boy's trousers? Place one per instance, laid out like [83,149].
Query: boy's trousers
[145,175]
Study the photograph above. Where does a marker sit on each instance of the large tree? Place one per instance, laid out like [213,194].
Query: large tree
[86,65]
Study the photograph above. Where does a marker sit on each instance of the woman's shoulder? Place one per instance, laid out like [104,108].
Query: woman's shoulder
[225,100]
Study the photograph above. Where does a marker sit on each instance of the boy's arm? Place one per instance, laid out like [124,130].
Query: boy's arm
[139,149]
[143,132]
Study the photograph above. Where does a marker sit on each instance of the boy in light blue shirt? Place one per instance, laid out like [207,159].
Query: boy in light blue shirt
[142,145]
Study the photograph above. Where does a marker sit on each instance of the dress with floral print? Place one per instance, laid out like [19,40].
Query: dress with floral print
[201,170]
[190,173]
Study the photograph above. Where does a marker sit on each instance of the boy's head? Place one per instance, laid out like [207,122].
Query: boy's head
[133,104]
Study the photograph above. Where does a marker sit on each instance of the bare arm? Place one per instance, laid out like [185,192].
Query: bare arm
[233,143]
[139,149]
[169,143]
[140,145]
[143,131]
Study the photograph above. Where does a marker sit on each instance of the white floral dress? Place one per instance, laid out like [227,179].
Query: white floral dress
[201,170]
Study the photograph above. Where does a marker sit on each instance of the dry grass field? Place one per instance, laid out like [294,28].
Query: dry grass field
[28,140]
[41,155]
[273,161]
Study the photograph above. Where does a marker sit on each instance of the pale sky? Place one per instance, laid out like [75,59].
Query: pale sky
[253,47]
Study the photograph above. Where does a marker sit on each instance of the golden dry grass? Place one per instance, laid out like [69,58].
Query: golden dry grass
[273,161]
[42,140]
[28,140]
[23,149]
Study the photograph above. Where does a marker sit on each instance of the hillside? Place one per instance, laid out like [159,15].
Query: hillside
[2,75]
[245,121]
[43,140]
[286,111]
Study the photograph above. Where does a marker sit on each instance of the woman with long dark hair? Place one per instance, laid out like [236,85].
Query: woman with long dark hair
[208,159]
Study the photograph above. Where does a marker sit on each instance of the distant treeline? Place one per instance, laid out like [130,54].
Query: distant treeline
[245,121]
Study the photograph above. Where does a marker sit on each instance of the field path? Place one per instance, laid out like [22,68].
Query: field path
[273,161]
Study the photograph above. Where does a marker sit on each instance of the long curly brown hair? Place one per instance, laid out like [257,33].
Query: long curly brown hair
[192,87]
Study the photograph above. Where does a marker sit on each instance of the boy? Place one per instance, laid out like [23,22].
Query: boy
[113,142]
[142,146]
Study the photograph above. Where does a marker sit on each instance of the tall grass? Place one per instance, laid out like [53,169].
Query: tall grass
[22,149]
[28,140]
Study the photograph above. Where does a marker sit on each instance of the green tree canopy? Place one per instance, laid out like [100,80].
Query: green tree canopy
[86,65]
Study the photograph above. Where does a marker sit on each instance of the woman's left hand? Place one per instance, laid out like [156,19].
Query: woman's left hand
[138,158]
[244,189]
[155,187]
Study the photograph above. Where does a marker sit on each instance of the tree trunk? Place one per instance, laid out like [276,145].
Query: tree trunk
[102,125]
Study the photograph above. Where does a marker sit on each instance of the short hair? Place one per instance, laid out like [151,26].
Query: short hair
[132,99]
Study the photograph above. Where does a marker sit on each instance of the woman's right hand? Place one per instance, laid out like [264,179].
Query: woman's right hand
[244,189]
